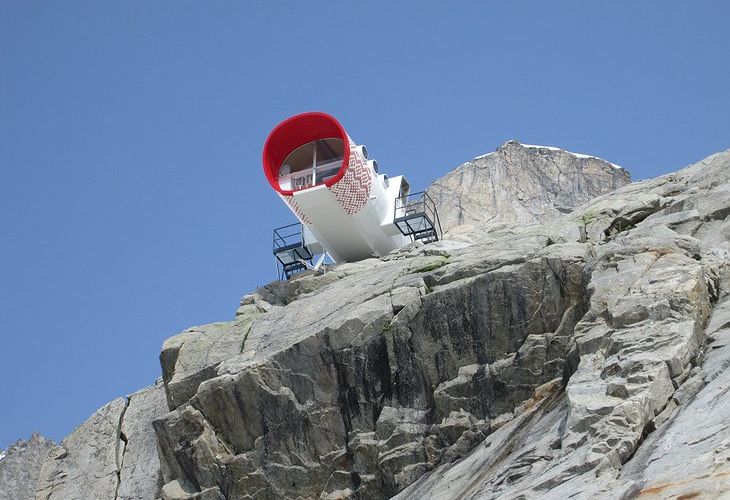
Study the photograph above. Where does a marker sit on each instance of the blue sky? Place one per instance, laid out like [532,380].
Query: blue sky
[132,202]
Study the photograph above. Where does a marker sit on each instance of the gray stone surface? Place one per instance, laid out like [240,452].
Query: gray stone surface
[584,356]
[20,466]
[140,477]
[86,463]
[112,455]
[690,455]
[335,391]
[523,184]
[644,411]
[554,349]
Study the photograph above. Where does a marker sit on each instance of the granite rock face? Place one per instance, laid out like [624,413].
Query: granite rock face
[531,354]
[690,455]
[20,466]
[523,184]
[542,356]
[359,385]
[112,455]
[644,409]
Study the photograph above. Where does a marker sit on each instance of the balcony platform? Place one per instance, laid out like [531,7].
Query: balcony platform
[416,216]
[292,255]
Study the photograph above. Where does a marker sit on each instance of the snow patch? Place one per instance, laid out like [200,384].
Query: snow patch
[2,455]
[483,156]
[577,155]
[535,146]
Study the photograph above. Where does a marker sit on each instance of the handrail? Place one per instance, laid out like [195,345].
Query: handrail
[415,203]
[282,240]
[292,255]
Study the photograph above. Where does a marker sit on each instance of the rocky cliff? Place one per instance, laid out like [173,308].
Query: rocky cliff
[112,455]
[20,466]
[522,183]
[643,410]
[547,354]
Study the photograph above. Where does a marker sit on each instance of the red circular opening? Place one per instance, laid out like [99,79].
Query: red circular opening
[295,132]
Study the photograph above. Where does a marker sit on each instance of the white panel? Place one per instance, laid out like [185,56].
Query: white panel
[368,233]
[331,226]
[310,241]
[386,222]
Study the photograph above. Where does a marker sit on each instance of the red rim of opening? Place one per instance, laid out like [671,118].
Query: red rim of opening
[297,131]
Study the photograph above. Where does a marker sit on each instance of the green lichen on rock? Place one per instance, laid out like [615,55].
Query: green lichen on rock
[429,264]
[588,217]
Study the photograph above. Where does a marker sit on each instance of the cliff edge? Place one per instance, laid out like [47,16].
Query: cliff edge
[575,343]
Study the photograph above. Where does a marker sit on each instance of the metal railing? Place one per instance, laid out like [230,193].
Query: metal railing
[414,206]
[286,237]
[292,255]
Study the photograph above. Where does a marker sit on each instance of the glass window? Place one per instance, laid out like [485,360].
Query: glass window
[311,164]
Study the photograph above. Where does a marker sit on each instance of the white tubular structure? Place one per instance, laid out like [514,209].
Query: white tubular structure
[327,181]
